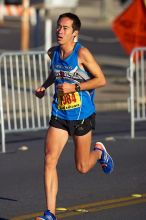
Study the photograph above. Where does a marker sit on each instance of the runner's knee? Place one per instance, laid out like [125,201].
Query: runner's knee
[82,167]
[50,160]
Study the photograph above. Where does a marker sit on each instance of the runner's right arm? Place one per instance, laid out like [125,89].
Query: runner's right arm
[40,92]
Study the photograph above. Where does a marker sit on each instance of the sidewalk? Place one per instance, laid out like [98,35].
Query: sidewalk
[91,14]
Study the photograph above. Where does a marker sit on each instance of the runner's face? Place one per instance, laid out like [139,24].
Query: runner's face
[64,31]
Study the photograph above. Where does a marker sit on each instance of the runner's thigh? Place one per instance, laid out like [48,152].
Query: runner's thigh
[55,141]
[82,147]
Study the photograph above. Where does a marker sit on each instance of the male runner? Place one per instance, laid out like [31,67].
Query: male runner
[75,75]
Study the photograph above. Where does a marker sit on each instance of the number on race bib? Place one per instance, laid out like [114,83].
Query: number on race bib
[69,101]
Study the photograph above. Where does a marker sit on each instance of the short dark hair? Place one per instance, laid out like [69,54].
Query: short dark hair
[76,21]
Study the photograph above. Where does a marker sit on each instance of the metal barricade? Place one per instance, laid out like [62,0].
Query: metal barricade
[20,74]
[136,75]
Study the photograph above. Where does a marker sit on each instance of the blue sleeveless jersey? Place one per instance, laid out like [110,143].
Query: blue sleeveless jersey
[76,105]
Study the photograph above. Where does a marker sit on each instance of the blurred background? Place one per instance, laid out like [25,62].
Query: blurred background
[30,24]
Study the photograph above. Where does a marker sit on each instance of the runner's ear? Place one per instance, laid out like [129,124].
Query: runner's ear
[75,33]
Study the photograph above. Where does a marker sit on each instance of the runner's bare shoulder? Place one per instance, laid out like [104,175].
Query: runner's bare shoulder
[50,52]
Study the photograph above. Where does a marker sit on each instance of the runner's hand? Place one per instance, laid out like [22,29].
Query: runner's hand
[66,88]
[40,92]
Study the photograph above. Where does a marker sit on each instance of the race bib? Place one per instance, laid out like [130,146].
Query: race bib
[69,101]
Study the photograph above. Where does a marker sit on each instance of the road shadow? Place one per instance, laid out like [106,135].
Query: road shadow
[4,219]
[8,199]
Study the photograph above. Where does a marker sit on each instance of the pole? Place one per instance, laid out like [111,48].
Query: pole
[2,124]
[48,33]
[48,25]
[107,9]
[37,38]
[25,25]
[1,11]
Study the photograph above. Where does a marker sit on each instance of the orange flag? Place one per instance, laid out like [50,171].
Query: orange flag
[130,26]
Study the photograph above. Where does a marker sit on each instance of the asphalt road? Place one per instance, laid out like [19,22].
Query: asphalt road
[121,195]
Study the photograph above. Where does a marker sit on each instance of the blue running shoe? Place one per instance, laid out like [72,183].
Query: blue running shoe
[47,216]
[106,161]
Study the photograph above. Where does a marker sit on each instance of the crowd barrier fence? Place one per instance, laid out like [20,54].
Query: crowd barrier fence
[20,110]
[136,74]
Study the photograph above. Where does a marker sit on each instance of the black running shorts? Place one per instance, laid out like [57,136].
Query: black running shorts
[74,127]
